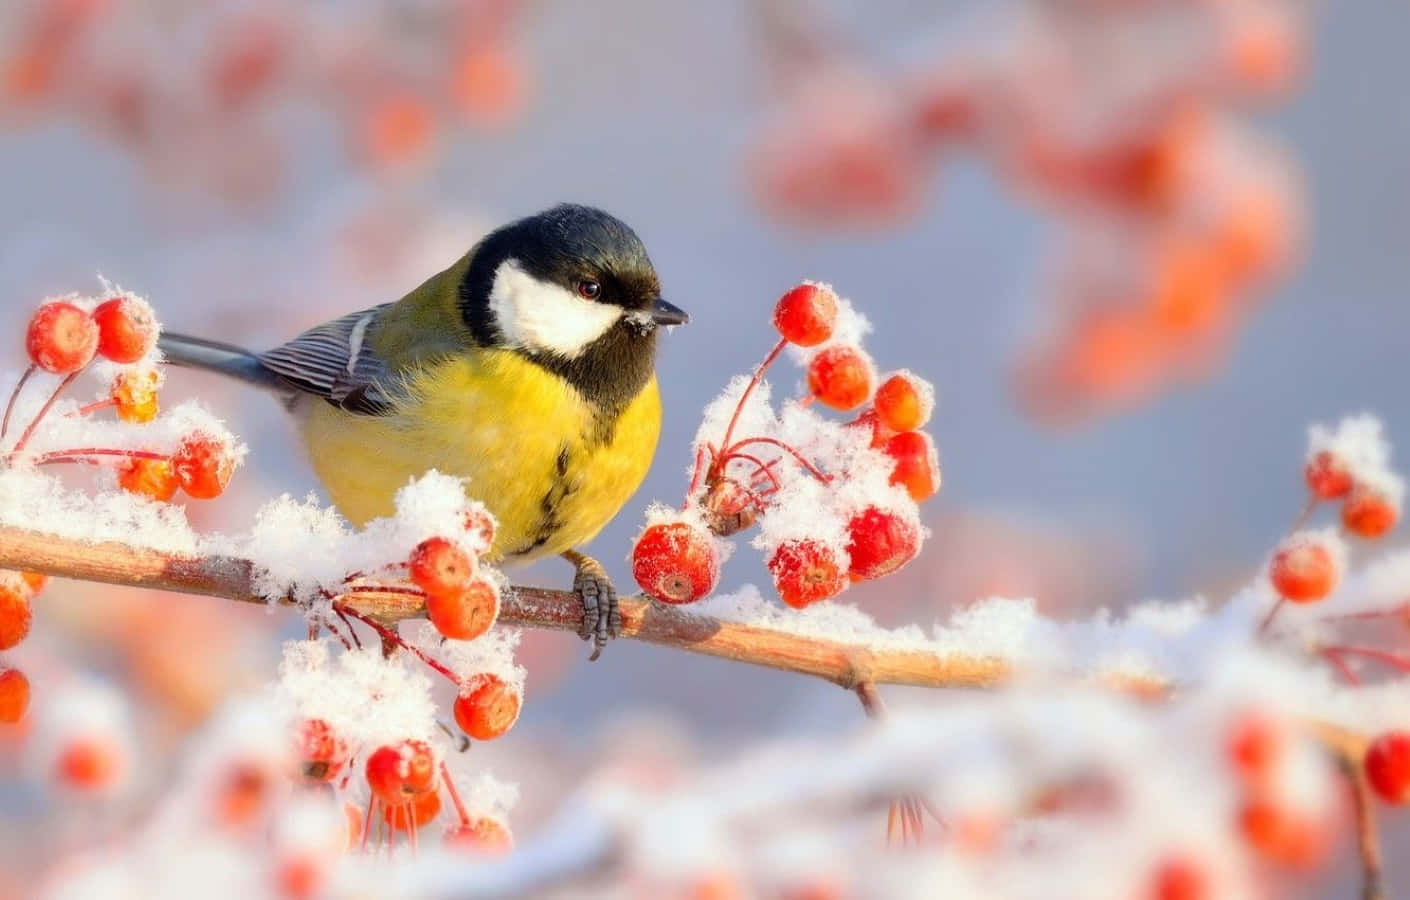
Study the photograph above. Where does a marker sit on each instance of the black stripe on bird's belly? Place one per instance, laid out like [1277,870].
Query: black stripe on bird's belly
[550,524]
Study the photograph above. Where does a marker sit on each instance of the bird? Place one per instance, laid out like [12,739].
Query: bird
[527,367]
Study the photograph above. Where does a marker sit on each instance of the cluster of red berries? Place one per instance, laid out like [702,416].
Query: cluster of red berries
[1370,506]
[17,590]
[1259,749]
[676,559]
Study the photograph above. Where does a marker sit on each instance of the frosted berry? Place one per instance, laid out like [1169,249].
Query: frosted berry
[806,572]
[1327,476]
[729,507]
[438,566]
[397,771]
[135,396]
[203,465]
[62,338]
[1388,766]
[880,542]
[467,614]
[840,377]
[916,467]
[1303,571]
[805,316]
[15,611]
[1368,513]
[127,329]
[481,835]
[903,402]
[155,478]
[487,707]
[422,808]
[675,562]
[14,695]
[322,754]
[870,423]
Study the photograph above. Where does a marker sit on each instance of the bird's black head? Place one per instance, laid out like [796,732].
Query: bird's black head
[573,289]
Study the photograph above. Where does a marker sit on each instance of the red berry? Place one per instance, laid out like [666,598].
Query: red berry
[422,807]
[916,464]
[61,338]
[1388,766]
[487,707]
[869,420]
[481,835]
[397,771]
[1327,476]
[465,615]
[1281,834]
[880,542]
[1180,878]
[1303,570]
[300,877]
[15,611]
[127,330]
[88,763]
[840,377]
[243,795]
[35,580]
[675,562]
[903,402]
[14,695]
[805,315]
[322,754]
[438,566]
[1255,745]
[203,465]
[155,478]
[1368,513]
[806,571]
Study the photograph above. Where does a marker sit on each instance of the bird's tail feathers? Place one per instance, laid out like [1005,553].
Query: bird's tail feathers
[226,359]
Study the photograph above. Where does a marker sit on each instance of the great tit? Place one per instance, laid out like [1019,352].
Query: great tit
[527,367]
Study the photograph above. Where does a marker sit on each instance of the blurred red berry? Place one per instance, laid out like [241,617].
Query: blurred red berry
[438,566]
[89,763]
[15,611]
[35,581]
[62,338]
[806,315]
[422,808]
[127,329]
[1368,513]
[1281,834]
[466,614]
[840,377]
[880,542]
[479,525]
[807,571]
[1255,744]
[916,466]
[243,795]
[1327,476]
[397,771]
[1180,878]
[14,696]
[487,707]
[481,835]
[300,877]
[203,465]
[322,754]
[903,402]
[1388,766]
[155,478]
[1303,571]
[675,562]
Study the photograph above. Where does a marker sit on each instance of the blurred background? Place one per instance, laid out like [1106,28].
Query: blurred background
[1138,246]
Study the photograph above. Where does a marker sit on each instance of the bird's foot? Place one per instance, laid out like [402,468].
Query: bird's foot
[602,619]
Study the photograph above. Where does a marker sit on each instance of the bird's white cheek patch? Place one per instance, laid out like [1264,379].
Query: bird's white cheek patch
[536,315]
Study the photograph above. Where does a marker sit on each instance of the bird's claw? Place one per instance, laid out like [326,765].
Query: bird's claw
[602,618]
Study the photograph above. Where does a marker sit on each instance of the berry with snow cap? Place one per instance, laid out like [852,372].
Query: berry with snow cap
[487,707]
[1307,566]
[805,316]
[807,571]
[467,613]
[127,329]
[880,541]
[204,464]
[904,402]
[841,377]
[675,562]
[62,338]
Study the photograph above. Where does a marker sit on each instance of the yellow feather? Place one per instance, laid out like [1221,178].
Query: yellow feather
[531,447]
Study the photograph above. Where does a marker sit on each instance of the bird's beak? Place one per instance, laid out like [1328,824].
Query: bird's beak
[664,313]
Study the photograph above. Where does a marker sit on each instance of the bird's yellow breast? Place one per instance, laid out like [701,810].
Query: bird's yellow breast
[548,465]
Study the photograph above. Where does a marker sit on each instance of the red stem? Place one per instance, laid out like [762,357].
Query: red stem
[454,795]
[1341,666]
[775,442]
[1268,619]
[773,479]
[749,389]
[1384,657]
[367,824]
[78,454]
[14,398]
[390,636]
[696,475]
[39,417]
[95,406]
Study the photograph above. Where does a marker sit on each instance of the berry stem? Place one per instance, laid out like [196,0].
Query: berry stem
[749,389]
[1341,666]
[696,474]
[14,398]
[95,406]
[391,638]
[763,468]
[1383,657]
[351,630]
[1268,619]
[79,454]
[367,824]
[39,417]
[1306,513]
[775,442]
[454,795]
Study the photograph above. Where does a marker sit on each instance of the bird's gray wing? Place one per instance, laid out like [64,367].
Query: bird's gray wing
[334,362]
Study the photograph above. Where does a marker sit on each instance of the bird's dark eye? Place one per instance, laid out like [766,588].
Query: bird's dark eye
[589,290]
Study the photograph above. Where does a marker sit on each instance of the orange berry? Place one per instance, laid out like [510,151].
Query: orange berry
[806,571]
[1180,878]
[88,763]
[1255,745]
[1368,513]
[396,771]
[438,566]
[398,129]
[488,84]
[805,316]
[322,753]
[15,612]
[916,466]
[840,377]
[204,465]
[465,615]
[481,835]
[300,877]
[903,402]
[1303,570]
[880,542]
[487,707]
[14,695]
[155,478]
[127,329]
[675,562]
[61,338]
[1388,766]
[35,580]
[422,808]
[1327,476]
[242,795]
[1188,294]
[135,396]
[1281,834]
